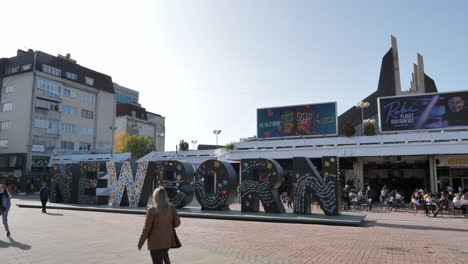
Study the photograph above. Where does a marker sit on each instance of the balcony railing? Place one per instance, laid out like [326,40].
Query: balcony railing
[49,95]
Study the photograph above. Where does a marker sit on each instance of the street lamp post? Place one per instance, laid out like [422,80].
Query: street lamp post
[362,105]
[216,132]
[194,142]
[112,128]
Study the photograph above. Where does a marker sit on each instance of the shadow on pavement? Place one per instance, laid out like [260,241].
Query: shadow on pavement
[55,214]
[14,243]
[415,227]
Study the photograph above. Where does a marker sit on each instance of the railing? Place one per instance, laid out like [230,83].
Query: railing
[48,95]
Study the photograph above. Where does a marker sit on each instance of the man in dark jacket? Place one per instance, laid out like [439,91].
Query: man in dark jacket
[44,196]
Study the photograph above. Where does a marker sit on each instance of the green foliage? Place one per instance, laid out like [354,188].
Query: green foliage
[183,145]
[348,129]
[369,129]
[229,146]
[138,146]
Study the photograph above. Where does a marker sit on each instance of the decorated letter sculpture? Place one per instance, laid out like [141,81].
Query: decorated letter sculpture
[226,183]
[261,179]
[324,186]
[132,184]
[125,181]
[177,178]
[61,184]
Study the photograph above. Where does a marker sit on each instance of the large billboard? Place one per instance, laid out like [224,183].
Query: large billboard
[299,120]
[434,111]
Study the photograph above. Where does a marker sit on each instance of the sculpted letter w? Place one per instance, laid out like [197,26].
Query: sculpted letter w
[125,181]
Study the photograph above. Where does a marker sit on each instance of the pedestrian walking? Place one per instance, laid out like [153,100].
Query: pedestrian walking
[159,229]
[238,193]
[44,195]
[5,204]
[290,202]
[370,194]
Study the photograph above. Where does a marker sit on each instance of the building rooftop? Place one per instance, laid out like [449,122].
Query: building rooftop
[65,64]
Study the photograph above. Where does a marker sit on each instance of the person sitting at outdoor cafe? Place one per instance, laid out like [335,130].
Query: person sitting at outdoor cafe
[383,195]
[398,196]
[389,202]
[360,196]
[450,196]
[415,200]
[464,204]
[460,191]
[456,201]
[352,195]
[429,199]
[442,203]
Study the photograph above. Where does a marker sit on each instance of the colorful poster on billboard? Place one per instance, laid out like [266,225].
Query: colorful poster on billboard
[299,120]
[434,111]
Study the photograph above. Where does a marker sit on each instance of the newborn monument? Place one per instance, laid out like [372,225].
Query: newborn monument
[132,183]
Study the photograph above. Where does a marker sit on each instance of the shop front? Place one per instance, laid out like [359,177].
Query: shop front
[403,173]
[12,168]
[452,170]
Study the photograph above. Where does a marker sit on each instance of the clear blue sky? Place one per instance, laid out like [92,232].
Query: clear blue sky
[208,65]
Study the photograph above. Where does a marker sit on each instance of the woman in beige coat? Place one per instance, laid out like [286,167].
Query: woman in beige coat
[159,227]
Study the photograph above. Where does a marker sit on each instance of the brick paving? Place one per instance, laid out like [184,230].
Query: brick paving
[91,237]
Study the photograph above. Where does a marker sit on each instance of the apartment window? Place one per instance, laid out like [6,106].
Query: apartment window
[5,124]
[87,114]
[41,123]
[3,143]
[72,76]
[85,146]
[26,67]
[7,107]
[69,93]
[89,81]
[67,145]
[70,128]
[86,131]
[89,98]
[54,88]
[51,70]
[12,70]
[53,127]
[8,89]
[69,110]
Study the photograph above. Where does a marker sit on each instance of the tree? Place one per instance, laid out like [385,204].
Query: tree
[229,146]
[139,146]
[121,140]
[369,129]
[348,129]
[183,145]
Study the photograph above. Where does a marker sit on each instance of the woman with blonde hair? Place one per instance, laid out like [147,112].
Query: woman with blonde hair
[161,219]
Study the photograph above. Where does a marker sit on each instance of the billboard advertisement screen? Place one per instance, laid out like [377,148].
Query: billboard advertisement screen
[424,112]
[300,120]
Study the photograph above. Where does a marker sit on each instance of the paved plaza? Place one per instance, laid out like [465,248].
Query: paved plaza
[64,236]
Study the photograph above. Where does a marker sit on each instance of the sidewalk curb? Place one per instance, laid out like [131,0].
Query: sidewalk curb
[345,220]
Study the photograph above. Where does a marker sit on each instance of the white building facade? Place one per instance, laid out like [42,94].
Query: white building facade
[51,105]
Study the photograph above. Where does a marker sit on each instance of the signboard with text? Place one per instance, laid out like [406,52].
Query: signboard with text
[299,120]
[434,111]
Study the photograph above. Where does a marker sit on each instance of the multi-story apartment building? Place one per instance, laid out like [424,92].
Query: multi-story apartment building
[51,105]
[135,120]
[124,95]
